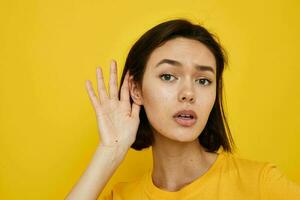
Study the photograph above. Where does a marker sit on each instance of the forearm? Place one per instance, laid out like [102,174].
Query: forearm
[104,163]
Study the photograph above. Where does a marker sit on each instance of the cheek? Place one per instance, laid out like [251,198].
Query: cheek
[156,98]
[157,104]
[208,99]
[205,104]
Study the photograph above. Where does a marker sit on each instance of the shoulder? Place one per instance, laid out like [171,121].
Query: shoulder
[236,164]
[270,180]
[242,171]
[275,184]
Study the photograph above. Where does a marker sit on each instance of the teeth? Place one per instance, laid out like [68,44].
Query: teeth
[188,116]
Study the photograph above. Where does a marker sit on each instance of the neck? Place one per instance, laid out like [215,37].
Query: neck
[176,164]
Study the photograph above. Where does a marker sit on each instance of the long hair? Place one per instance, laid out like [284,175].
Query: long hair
[216,133]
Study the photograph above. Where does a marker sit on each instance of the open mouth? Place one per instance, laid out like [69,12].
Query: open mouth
[185,117]
[185,120]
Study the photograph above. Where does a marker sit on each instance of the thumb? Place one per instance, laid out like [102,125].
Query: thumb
[135,110]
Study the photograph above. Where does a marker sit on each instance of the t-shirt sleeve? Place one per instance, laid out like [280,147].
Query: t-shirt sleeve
[276,186]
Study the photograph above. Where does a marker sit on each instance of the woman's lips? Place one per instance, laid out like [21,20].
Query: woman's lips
[186,122]
[185,112]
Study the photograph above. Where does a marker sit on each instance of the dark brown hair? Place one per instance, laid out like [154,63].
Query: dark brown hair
[216,133]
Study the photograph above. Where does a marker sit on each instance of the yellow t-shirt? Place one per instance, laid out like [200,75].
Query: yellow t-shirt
[229,178]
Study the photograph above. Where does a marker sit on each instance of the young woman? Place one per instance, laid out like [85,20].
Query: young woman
[171,99]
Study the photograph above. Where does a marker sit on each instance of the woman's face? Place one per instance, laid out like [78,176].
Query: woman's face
[185,88]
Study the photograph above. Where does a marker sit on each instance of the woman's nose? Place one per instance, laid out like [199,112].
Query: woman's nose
[187,94]
[188,98]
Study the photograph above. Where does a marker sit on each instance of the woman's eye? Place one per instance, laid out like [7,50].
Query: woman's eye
[203,81]
[167,76]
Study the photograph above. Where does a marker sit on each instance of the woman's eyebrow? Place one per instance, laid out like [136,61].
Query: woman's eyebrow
[179,64]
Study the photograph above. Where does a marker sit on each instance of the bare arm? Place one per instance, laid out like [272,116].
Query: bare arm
[103,165]
[118,122]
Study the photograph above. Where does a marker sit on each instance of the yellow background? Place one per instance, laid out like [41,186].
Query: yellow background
[48,130]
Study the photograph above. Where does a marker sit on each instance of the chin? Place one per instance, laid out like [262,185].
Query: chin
[182,137]
[178,134]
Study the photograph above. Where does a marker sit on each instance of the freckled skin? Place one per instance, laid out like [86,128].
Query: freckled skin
[162,99]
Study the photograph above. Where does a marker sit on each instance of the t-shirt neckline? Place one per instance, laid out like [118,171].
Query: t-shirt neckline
[154,191]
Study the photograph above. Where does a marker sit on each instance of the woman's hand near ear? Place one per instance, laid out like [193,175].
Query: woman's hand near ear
[118,122]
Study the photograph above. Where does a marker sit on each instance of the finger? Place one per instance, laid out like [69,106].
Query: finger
[135,111]
[92,96]
[124,89]
[101,86]
[113,85]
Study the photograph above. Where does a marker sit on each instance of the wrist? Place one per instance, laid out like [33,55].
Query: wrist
[118,153]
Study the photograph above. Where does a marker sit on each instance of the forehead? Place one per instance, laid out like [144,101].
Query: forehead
[187,51]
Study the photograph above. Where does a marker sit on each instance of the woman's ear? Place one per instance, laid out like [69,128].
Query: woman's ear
[135,91]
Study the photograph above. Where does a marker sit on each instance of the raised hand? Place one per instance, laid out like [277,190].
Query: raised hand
[118,121]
